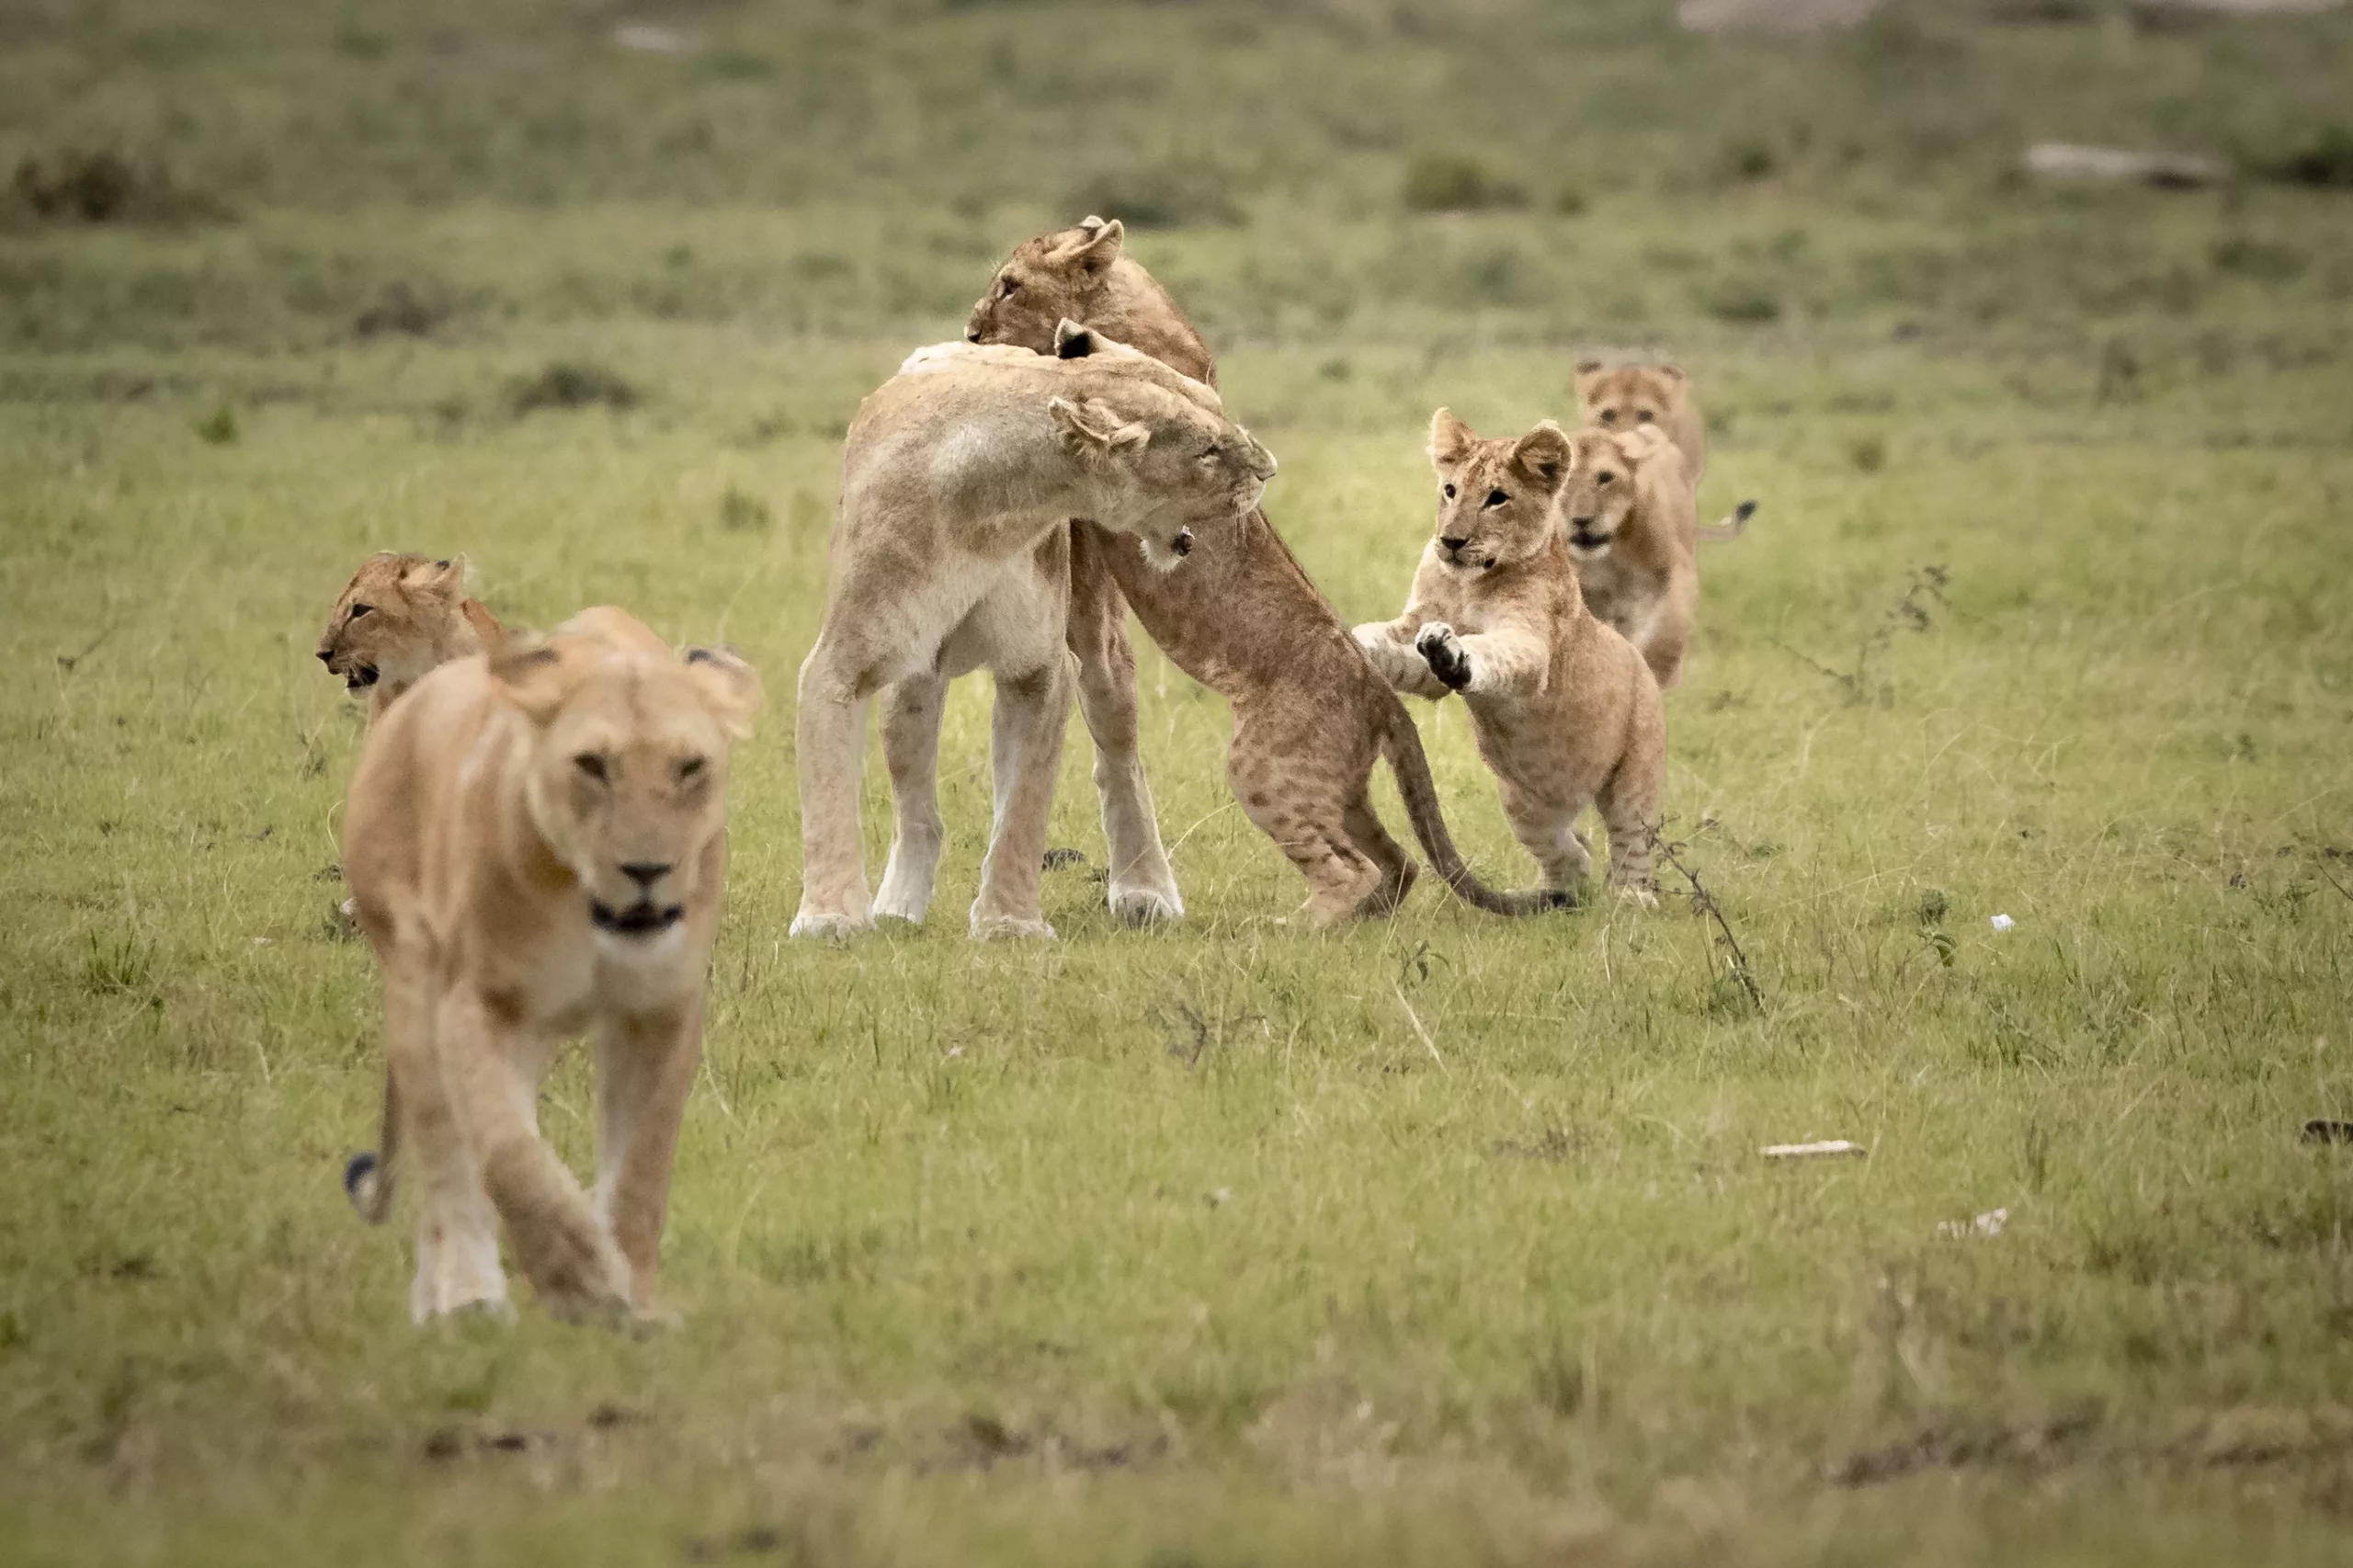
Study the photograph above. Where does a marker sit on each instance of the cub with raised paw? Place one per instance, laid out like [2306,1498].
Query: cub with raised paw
[1565,711]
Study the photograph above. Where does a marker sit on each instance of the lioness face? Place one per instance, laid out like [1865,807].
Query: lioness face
[1048,277]
[628,772]
[392,617]
[1190,474]
[1599,494]
[1496,497]
[1630,396]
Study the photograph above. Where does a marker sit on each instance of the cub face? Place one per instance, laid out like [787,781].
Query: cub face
[397,611]
[1496,497]
[1601,486]
[1631,395]
[627,772]
[1049,278]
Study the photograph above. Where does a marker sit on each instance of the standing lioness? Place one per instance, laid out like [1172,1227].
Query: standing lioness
[536,841]
[949,554]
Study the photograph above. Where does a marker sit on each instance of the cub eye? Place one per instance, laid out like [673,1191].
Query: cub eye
[1605,479]
[1446,491]
[1213,452]
[1609,416]
[589,763]
[691,770]
[1496,497]
[1643,418]
[358,611]
[1005,287]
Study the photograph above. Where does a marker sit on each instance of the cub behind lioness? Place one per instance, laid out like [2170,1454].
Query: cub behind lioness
[1565,711]
[398,618]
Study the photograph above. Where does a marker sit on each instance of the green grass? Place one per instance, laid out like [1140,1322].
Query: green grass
[1441,1239]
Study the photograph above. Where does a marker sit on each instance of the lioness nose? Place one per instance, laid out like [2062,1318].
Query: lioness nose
[972,334]
[1451,543]
[644,874]
[325,654]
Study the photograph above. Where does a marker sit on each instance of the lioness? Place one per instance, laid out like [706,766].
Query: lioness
[1630,518]
[949,555]
[400,616]
[536,839]
[1565,711]
[1310,716]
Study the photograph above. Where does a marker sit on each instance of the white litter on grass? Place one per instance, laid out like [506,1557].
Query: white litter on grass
[1989,1223]
[1827,1148]
[2001,923]
[651,37]
[2069,160]
[262,941]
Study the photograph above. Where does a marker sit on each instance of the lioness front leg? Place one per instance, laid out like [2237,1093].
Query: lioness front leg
[1026,753]
[457,1229]
[559,1245]
[912,711]
[645,1066]
[1143,884]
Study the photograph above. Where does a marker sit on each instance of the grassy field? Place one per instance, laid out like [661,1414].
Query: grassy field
[1443,1240]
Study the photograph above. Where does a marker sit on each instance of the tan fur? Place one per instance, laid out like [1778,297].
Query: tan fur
[1629,513]
[1565,711]
[536,842]
[951,554]
[399,617]
[1311,716]
[1659,397]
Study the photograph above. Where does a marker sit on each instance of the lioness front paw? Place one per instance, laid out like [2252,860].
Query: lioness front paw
[1442,650]
[1007,928]
[839,926]
[1146,906]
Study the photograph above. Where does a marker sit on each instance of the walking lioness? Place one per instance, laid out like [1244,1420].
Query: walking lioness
[1310,716]
[951,554]
[1565,711]
[534,841]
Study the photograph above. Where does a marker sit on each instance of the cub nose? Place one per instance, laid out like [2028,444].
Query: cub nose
[972,335]
[1452,543]
[1585,524]
[645,873]
[326,655]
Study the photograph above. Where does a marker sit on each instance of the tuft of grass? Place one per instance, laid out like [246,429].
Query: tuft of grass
[106,186]
[218,429]
[571,384]
[1457,182]
[1187,195]
[740,511]
[2318,156]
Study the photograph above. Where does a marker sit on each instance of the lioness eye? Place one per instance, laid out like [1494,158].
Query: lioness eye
[1605,479]
[1447,491]
[1496,497]
[1212,454]
[589,763]
[358,611]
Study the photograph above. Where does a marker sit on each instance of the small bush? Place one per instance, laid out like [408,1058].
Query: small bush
[400,310]
[1747,161]
[106,187]
[1167,196]
[219,427]
[741,512]
[2258,259]
[1744,304]
[2321,156]
[1571,201]
[1868,453]
[572,383]
[1455,182]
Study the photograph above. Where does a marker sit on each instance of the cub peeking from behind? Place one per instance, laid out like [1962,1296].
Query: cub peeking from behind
[1565,711]
[399,617]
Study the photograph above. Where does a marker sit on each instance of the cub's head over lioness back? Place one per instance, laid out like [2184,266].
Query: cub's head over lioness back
[1494,498]
[1083,274]
[1628,397]
[400,616]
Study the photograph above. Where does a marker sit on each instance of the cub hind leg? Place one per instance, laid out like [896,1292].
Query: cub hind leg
[1547,829]
[1302,806]
[1630,810]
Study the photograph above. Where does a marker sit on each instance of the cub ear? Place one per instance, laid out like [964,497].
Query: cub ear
[1096,247]
[1261,461]
[1672,372]
[1449,439]
[1588,372]
[1542,455]
[730,687]
[1073,341]
[437,579]
[534,675]
[1098,429]
[1641,444]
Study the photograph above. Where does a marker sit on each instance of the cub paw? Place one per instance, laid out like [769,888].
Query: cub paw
[1442,650]
[1637,895]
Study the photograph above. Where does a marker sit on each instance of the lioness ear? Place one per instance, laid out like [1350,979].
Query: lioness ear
[1073,341]
[1096,247]
[1096,428]
[1449,439]
[1542,455]
[730,687]
[533,674]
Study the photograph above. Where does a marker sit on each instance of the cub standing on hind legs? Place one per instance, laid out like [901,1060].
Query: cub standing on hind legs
[399,617]
[949,554]
[1311,716]
[1565,711]
[536,840]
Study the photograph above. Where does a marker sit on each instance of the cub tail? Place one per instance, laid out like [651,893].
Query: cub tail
[1732,527]
[1403,747]
[368,1175]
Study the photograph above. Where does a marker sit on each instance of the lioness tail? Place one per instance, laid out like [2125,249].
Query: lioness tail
[1731,526]
[1403,747]
[368,1175]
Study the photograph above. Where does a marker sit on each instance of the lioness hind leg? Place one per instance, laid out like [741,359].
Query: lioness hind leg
[1026,753]
[829,726]
[645,1067]
[912,711]
[559,1245]
[1143,885]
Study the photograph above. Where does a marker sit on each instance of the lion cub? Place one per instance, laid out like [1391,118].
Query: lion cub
[536,840]
[1565,711]
[401,617]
